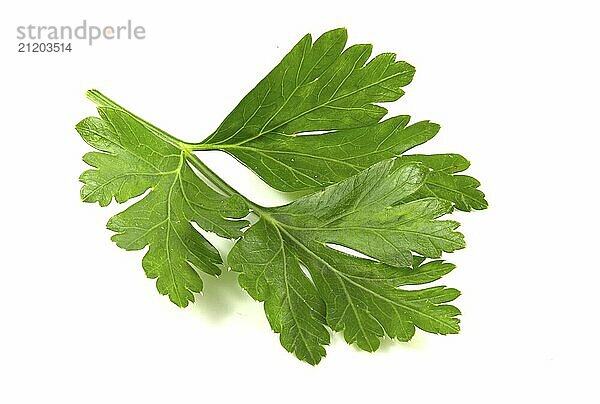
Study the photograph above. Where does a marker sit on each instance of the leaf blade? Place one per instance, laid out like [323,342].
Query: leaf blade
[361,296]
[131,160]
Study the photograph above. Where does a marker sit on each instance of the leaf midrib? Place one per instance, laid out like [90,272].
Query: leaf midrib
[372,229]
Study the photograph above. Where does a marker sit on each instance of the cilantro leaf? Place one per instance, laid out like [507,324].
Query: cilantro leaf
[132,159]
[355,295]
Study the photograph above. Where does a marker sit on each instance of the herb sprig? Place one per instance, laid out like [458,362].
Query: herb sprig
[361,192]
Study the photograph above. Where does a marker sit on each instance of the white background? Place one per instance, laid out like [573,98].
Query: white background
[514,85]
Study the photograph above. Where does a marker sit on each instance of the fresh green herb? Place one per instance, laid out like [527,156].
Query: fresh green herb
[367,196]
[357,296]
[322,87]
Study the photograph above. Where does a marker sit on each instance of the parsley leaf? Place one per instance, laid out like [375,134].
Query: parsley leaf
[355,295]
[317,86]
[322,87]
[132,159]
[368,197]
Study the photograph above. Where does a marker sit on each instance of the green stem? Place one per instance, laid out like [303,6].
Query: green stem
[202,146]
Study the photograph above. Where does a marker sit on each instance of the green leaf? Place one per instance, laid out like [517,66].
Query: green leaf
[359,213]
[322,87]
[338,259]
[358,296]
[317,86]
[132,159]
